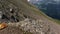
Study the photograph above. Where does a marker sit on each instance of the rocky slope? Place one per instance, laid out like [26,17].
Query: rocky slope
[20,15]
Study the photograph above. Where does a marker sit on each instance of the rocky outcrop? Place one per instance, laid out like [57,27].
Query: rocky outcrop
[33,26]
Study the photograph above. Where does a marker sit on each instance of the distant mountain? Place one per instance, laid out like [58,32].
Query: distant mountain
[50,7]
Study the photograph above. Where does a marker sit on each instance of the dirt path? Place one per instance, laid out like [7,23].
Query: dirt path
[55,27]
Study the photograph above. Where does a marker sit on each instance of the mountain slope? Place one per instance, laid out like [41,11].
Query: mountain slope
[49,7]
[28,17]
